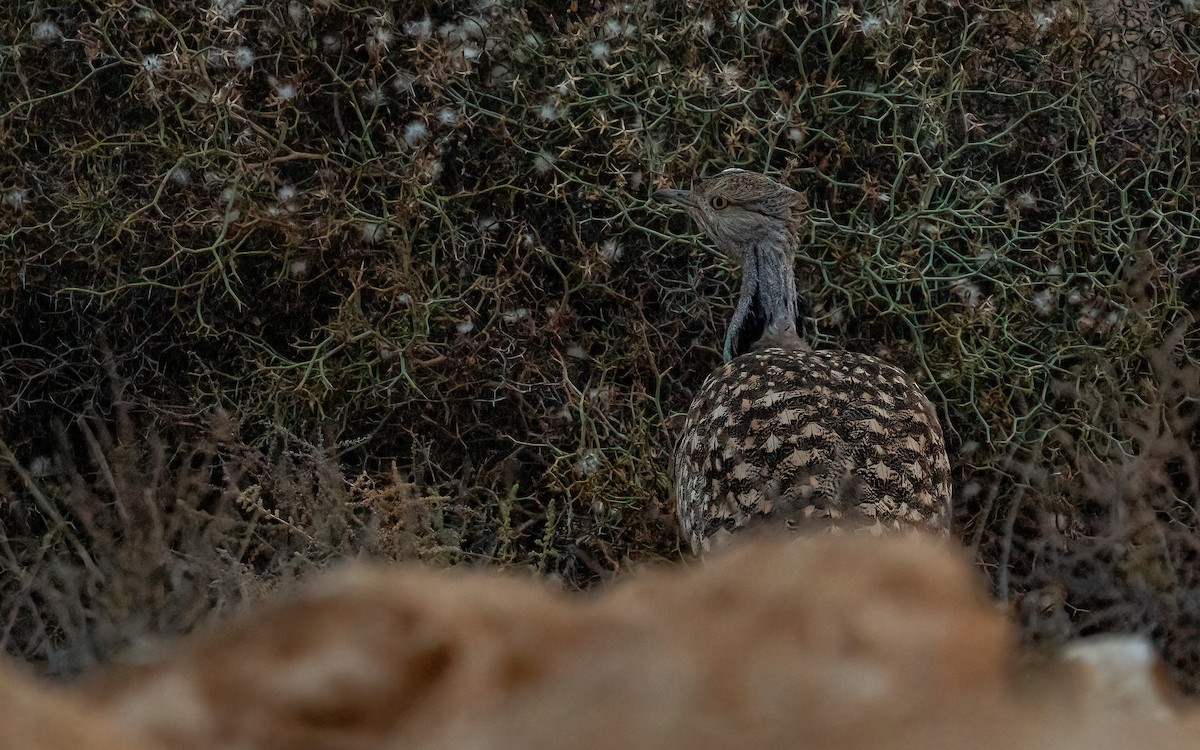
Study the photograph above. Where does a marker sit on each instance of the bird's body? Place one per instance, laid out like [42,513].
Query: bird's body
[784,435]
[832,438]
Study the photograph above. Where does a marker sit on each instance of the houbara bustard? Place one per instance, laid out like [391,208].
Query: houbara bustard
[783,434]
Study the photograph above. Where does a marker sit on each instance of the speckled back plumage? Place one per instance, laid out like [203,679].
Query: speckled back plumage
[838,438]
[784,435]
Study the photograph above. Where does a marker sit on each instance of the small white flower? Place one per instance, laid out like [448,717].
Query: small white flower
[1025,200]
[543,162]
[285,91]
[297,12]
[403,82]
[447,116]
[227,9]
[871,26]
[600,50]
[378,40]
[422,29]
[416,133]
[1043,302]
[1043,19]
[298,268]
[589,462]
[180,175]
[549,111]
[404,299]
[331,42]
[475,26]
[373,97]
[15,198]
[795,135]
[730,76]
[575,351]
[611,251]
[373,233]
[465,326]
[243,57]
[46,31]
[488,224]
[968,293]
[285,193]
[41,466]
[153,64]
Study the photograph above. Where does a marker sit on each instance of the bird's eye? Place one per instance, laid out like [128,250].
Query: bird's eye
[719,202]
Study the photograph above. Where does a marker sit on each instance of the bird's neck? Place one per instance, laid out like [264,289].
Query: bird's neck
[768,307]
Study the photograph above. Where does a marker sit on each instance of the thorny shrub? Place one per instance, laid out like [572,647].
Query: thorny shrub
[287,282]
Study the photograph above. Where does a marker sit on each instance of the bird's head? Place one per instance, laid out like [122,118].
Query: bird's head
[739,210]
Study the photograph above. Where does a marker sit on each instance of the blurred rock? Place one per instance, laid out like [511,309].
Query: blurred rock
[36,717]
[821,642]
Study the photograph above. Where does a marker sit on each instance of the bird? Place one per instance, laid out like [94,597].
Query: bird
[785,435]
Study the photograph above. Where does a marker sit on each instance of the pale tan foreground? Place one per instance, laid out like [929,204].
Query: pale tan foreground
[39,717]
[825,642]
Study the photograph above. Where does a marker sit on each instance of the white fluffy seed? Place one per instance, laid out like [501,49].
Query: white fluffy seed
[153,64]
[416,133]
[243,57]
[46,31]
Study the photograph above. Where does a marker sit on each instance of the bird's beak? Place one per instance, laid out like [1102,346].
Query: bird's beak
[682,197]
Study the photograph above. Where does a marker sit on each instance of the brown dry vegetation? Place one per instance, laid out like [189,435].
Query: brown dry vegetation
[286,282]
